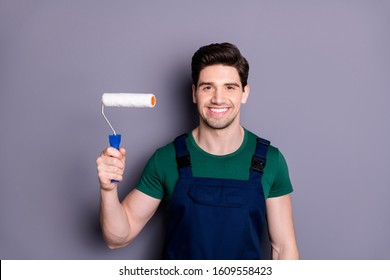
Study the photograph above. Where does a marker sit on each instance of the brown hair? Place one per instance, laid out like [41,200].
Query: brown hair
[222,53]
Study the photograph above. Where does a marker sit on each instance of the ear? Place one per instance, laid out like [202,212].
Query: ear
[193,94]
[245,94]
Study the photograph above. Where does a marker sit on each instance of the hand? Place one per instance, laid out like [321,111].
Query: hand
[111,166]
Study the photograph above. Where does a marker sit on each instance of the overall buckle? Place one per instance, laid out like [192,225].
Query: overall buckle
[183,161]
[258,163]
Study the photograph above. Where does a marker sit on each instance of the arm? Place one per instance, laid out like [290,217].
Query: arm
[281,228]
[120,222]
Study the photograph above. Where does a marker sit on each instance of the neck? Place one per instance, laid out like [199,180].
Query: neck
[219,141]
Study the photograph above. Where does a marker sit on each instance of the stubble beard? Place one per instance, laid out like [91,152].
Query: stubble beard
[217,124]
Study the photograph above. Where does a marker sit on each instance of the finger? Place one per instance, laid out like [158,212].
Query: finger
[104,161]
[111,169]
[113,176]
[107,182]
[123,151]
[106,175]
[112,152]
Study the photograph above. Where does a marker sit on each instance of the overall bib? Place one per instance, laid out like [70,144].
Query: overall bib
[213,218]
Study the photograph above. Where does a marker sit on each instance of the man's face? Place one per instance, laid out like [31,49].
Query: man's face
[219,95]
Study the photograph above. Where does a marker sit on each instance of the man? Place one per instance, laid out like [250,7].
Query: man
[221,183]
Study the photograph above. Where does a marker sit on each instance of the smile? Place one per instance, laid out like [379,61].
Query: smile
[218,110]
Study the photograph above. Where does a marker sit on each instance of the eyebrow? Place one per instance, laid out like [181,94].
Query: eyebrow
[205,84]
[210,84]
[232,84]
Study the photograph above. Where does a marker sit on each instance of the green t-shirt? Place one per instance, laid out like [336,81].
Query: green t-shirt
[160,174]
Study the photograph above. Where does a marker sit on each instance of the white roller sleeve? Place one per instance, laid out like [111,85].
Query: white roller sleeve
[129,100]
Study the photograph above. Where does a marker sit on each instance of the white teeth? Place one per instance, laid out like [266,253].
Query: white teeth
[218,110]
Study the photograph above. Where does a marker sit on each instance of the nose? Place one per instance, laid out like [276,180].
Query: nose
[218,97]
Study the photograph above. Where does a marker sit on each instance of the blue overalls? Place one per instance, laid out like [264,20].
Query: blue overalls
[213,218]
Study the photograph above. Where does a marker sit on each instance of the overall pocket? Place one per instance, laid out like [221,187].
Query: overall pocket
[220,196]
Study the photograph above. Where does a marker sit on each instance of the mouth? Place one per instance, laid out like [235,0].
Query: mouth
[218,110]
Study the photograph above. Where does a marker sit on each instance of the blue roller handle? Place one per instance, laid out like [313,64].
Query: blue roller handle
[115,141]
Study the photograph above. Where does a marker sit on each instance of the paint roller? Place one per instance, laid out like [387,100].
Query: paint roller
[129,100]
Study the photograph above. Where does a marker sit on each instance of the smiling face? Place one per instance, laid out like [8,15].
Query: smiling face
[219,95]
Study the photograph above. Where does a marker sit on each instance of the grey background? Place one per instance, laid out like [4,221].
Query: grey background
[319,91]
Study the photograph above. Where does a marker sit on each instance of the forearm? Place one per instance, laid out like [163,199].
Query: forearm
[285,253]
[113,219]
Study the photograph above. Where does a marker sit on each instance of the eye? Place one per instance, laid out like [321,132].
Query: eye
[231,88]
[206,88]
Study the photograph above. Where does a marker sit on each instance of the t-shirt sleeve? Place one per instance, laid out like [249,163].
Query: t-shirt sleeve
[281,184]
[150,182]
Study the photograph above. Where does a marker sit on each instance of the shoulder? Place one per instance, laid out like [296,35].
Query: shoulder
[168,150]
[276,181]
[164,159]
[275,159]
[158,172]
[165,151]
[273,153]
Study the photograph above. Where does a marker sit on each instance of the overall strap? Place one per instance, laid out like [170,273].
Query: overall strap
[183,159]
[259,159]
